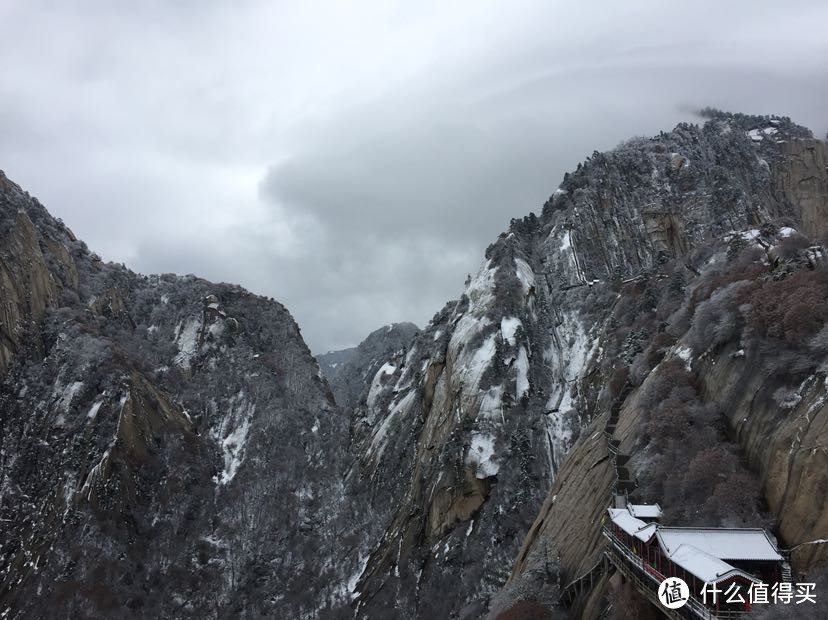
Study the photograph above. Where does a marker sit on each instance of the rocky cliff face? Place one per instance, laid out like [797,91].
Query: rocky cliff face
[169,446]
[734,326]
[800,179]
[472,428]
[27,284]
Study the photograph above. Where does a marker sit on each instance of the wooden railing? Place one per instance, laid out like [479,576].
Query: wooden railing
[576,586]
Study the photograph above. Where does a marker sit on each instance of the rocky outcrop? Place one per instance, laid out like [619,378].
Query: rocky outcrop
[35,267]
[332,360]
[802,179]
[559,548]
[26,285]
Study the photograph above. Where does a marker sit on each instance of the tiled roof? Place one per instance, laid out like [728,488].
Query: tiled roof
[645,511]
[632,526]
[705,566]
[721,543]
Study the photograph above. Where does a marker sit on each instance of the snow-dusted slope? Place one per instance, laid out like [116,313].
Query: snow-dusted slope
[468,431]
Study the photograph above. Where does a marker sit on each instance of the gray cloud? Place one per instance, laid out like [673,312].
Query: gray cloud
[354,162]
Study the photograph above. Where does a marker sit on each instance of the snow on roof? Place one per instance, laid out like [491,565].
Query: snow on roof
[645,511]
[646,532]
[705,566]
[632,526]
[724,544]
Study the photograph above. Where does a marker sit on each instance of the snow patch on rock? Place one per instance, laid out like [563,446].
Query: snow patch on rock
[232,433]
[93,410]
[377,383]
[354,578]
[93,475]
[481,455]
[470,363]
[508,328]
[569,255]
[759,134]
[187,341]
[69,393]
[480,290]
[522,377]
[568,355]
[686,355]
[525,274]
[379,438]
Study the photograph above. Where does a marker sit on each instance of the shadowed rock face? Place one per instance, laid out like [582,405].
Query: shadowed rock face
[170,447]
[27,285]
[801,179]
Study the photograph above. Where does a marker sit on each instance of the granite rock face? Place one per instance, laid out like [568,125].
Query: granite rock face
[27,285]
[801,180]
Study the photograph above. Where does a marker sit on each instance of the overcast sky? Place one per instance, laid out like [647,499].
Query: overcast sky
[354,159]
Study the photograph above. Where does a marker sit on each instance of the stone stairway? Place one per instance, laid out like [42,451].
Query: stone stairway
[624,485]
[621,489]
[787,573]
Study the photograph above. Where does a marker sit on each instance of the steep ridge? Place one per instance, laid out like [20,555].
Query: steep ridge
[350,371]
[169,446]
[471,430]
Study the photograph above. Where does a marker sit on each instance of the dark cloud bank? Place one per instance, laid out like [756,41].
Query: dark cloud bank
[354,164]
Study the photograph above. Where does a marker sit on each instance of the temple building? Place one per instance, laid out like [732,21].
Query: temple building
[698,555]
